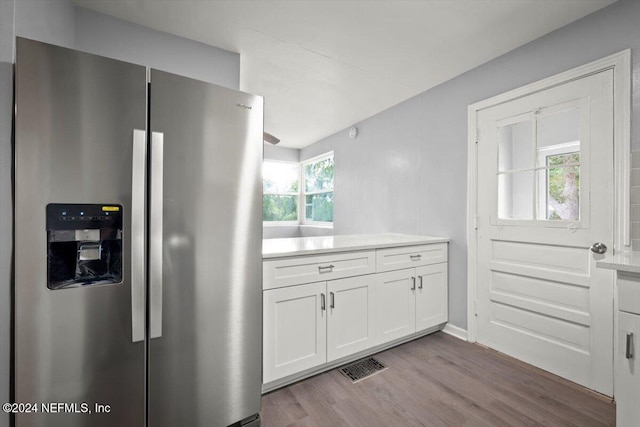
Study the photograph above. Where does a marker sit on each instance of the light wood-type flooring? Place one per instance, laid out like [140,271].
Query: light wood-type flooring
[439,380]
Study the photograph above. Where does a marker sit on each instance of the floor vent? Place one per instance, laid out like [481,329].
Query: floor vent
[362,369]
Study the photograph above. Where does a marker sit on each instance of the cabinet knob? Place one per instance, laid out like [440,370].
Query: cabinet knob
[629,348]
[413,283]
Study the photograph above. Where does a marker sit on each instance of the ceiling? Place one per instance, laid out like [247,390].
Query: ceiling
[324,65]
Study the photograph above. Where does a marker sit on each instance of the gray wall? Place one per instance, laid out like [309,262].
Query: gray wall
[114,38]
[406,172]
[272,152]
[59,22]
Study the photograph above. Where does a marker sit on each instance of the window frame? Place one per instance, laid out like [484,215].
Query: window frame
[302,212]
[582,104]
[543,154]
[297,195]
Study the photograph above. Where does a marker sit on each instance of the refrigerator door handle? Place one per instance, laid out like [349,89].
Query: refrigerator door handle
[155,235]
[138,177]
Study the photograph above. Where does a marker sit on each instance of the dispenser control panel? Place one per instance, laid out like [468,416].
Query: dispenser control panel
[84,244]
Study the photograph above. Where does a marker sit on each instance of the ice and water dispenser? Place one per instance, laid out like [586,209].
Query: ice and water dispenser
[84,245]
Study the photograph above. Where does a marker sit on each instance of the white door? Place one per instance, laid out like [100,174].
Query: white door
[545,195]
[395,307]
[294,330]
[432,305]
[350,316]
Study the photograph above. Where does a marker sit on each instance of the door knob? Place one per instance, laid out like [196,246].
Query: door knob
[599,248]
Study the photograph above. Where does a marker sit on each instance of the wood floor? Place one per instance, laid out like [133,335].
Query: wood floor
[439,380]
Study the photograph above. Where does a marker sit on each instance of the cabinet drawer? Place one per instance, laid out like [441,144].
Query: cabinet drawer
[277,273]
[410,256]
[629,293]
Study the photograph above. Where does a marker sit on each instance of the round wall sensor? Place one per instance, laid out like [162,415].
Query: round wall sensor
[353,132]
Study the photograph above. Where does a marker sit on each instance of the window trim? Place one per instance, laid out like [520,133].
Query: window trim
[302,213]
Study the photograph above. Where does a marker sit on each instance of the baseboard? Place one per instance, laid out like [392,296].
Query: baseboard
[455,331]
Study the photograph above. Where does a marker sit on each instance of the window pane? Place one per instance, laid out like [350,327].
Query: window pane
[559,189]
[559,128]
[318,176]
[319,207]
[278,177]
[515,195]
[279,208]
[515,149]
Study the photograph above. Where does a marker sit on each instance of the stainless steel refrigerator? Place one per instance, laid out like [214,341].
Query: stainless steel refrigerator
[138,230]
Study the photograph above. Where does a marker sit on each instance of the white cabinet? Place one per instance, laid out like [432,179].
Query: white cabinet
[395,307]
[281,272]
[389,259]
[409,301]
[325,309]
[350,316]
[627,355]
[294,330]
[308,325]
[432,296]
[628,370]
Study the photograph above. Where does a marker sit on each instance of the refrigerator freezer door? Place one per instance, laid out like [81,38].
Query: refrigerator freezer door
[75,120]
[205,367]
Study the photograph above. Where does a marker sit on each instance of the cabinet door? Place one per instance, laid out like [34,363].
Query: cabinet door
[395,309]
[431,296]
[350,316]
[294,330]
[627,383]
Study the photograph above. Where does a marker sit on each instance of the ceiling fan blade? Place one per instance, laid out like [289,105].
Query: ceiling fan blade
[270,138]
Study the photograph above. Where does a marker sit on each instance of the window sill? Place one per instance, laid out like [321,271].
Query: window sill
[326,226]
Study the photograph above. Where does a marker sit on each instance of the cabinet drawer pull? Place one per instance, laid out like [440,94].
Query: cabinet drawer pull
[413,283]
[322,302]
[629,349]
[333,300]
[415,257]
[420,282]
[325,268]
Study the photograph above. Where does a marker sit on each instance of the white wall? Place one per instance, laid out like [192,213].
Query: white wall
[407,170]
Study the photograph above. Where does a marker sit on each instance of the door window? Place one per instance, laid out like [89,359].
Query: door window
[539,161]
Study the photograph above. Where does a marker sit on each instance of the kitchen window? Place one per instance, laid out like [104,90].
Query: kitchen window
[298,193]
[317,195]
[280,192]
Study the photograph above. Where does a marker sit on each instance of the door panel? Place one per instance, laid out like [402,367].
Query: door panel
[75,121]
[350,319]
[545,179]
[432,304]
[395,307]
[205,367]
[295,329]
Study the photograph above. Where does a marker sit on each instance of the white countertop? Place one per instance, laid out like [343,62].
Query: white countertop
[276,248]
[627,261]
